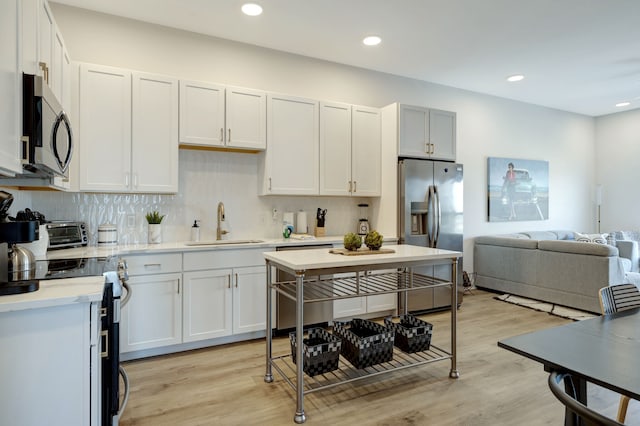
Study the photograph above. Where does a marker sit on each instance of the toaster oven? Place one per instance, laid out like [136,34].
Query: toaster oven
[65,234]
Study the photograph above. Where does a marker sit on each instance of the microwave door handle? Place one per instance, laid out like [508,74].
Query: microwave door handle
[64,120]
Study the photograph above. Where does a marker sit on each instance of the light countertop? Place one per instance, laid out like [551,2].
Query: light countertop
[185,246]
[56,293]
[323,259]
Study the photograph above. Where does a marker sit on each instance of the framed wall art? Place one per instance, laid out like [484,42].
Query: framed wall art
[518,190]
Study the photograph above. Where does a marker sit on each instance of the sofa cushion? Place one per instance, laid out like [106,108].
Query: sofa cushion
[578,248]
[564,235]
[507,241]
[591,238]
[541,235]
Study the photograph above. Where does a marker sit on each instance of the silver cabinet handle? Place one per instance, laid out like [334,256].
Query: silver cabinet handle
[426,147]
[269,184]
[350,187]
[229,138]
[45,71]
[178,286]
[149,265]
[236,280]
[221,134]
[105,352]
[229,281]
[126,180]
[355,186]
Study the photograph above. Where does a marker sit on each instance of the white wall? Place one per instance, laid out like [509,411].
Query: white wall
[487,126]
[617,160]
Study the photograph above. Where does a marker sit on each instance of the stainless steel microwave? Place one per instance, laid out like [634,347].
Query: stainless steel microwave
[47,142]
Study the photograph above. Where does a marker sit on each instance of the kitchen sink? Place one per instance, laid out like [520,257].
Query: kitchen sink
[221,242]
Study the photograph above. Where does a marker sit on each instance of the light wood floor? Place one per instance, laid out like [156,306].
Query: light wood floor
[224,385]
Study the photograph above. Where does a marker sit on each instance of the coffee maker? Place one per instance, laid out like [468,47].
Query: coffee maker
[17,264]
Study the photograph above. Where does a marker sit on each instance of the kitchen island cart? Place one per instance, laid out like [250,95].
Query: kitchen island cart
[322,276]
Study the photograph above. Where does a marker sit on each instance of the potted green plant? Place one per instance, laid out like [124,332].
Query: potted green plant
[154,219]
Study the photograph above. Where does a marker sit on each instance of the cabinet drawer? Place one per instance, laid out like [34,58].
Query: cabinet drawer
[154,263]
[214,259]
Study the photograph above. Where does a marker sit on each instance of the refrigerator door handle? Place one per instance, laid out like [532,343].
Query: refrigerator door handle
[438,218]
[432,230]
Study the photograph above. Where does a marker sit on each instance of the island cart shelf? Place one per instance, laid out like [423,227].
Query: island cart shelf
[323,276]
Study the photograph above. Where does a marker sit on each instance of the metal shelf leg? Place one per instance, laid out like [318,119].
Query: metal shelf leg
[268,376]
[299,417]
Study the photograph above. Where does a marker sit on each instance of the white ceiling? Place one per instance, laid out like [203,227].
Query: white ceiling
[577,55]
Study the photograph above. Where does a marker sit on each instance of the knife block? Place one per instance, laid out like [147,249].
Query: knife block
[319,232]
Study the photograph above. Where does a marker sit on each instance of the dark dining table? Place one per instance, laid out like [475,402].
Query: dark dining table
[603,350]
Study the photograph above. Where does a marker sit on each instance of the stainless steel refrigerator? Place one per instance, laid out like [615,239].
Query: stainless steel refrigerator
[430,210]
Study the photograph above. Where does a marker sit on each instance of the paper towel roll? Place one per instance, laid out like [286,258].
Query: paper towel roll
[287,218]
[301,226]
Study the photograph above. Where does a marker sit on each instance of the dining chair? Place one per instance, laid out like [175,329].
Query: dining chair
[578,410]
[616,298]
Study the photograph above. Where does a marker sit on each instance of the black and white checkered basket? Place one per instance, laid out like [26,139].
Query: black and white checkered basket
[321,351]
[365,343]
[411,333]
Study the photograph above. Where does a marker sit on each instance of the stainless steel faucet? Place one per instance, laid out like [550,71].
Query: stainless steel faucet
[219,231]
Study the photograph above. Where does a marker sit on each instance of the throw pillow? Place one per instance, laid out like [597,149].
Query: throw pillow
[591,238]
[611,239]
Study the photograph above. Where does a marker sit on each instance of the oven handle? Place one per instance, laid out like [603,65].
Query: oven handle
[125,380]
[126,296]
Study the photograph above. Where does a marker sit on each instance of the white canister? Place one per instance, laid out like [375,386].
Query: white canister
[107,235]
[301,222]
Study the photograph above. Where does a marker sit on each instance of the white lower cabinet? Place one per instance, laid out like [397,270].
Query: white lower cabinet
[153,316]
[200,295]
[49,366]
[380,303]
[207,303]
[227,300]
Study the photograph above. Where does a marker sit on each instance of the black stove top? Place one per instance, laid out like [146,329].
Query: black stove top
[53,269]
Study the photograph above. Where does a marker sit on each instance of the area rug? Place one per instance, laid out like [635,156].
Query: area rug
[550,308]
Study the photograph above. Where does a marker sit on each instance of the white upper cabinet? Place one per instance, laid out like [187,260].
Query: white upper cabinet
[290,165]
[201,114]
[128,131]
[366,146]
[335,149]
[44,52]
[427,133]
[350,146]
[10,87]
[105,128]
[154,136]
[219,116]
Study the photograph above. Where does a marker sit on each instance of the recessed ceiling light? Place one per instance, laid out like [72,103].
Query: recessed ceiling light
[372,40]
[623,104]
[516,77]
[251,9]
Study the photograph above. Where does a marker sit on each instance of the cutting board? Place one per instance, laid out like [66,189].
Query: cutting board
[359,252]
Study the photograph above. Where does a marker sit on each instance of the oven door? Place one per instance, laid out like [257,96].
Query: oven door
[110,355]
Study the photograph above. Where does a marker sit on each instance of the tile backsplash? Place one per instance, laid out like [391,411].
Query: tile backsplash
[206,178]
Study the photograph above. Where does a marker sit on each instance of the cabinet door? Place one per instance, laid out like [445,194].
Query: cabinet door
[414,132]
[201,114]
[366,147]
[249,299]
[382,302]
[292,148]
[442,134]
[154,153]
[207,305]
[10,87]
[153,316]
[246,119]
[348,308]
[105,128]
[46,26]
[335,149]
[55,70]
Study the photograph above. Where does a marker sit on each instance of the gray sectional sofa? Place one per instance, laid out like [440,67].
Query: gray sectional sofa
[549,266]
